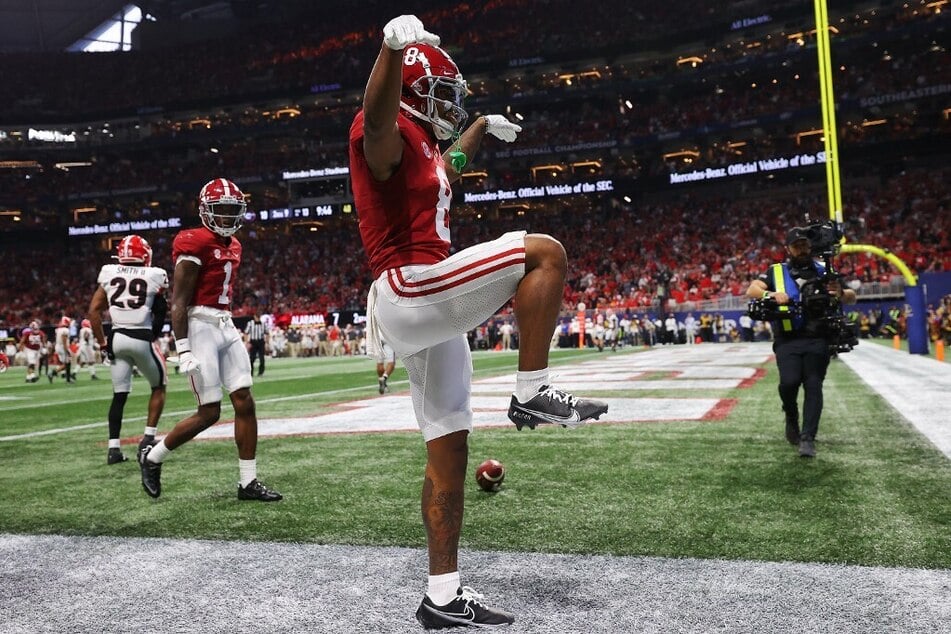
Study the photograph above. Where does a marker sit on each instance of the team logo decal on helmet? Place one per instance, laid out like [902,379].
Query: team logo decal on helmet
[134,249]
[221,206]
[434,90]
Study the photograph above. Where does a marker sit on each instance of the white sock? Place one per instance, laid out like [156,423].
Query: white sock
[150,431]
[113,443]
[442,588]
[527,384]
[158,453]
[248,470]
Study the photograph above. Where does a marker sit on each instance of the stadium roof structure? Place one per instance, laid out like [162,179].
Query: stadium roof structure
[50,25]
[53,25]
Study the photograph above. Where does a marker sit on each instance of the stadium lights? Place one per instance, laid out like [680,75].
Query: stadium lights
[627,199]
[866,124]
[693,60]
[13,165]
[287,112]
[799,37]
[568,77]
[66,165]
[475,175]
[10,212]
[549,168]
[936,6]
[194,123]
[800,135]
[692,154]
[591,165]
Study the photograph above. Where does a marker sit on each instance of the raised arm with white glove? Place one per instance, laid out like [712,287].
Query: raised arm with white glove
[402,31]
[501,128]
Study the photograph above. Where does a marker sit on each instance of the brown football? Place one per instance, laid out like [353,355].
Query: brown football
[490,475]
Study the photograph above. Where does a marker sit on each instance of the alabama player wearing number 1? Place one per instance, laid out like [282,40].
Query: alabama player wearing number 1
[210,349]
[424,300]
[133,291]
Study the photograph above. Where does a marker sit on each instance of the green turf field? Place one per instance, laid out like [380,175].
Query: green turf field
[878,494]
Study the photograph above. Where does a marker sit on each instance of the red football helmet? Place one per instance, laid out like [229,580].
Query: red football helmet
[65,322]
[86,323]
[221,206]
[434,90]
[134,249]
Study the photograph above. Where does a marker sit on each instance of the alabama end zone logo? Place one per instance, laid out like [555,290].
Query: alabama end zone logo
[673,375]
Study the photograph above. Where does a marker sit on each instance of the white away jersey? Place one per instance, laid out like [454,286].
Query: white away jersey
[131,290]
[86,338]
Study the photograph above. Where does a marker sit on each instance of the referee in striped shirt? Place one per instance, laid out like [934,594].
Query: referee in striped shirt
[257,335]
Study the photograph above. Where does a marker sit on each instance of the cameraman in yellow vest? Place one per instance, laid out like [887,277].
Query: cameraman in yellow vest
[802,352]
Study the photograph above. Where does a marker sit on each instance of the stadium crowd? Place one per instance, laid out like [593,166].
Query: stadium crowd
[688,248]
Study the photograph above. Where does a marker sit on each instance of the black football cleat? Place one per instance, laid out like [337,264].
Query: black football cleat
[151,473]
[257,491]
[381,384]
[555,407]
[466,610]
[147,441]
[115,456]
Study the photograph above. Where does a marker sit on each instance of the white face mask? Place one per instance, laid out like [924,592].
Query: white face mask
[426,88]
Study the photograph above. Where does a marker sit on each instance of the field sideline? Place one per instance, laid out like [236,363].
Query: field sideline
[703,521]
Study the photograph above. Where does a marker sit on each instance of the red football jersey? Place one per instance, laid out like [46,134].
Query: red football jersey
[219,259]
[32,339]
[405,219]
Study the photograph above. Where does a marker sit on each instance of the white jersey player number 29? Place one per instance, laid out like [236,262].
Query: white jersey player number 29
[130,294]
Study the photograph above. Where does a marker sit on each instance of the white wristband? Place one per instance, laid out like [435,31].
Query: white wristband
[181,345]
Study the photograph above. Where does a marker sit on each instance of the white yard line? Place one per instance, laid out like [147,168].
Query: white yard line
[918,387]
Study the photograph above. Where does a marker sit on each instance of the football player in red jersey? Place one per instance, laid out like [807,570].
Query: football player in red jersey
[210,349]
[424,300]
[32,343]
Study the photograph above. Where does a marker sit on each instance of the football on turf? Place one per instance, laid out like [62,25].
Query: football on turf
[490,475]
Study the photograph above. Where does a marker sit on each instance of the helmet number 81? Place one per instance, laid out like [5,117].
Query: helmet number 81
[412,55]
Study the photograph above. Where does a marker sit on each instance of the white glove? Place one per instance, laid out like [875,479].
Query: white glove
[500,127]
[402,31]
[188,364]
